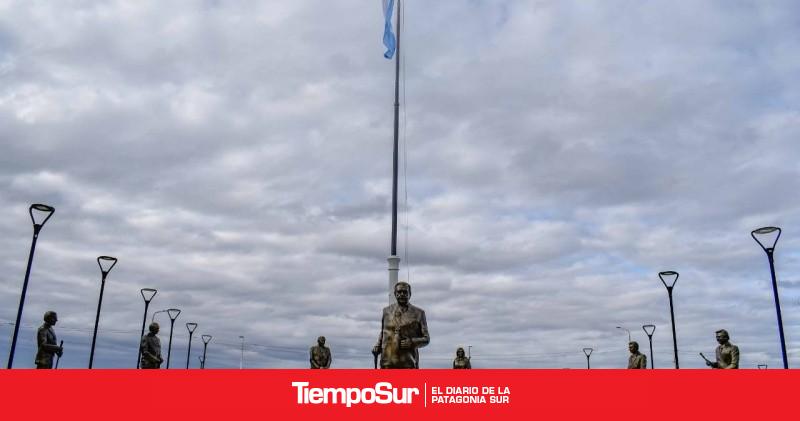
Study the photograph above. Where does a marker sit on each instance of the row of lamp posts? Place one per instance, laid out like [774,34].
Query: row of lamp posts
[40,214]
[43,213]
[669,278]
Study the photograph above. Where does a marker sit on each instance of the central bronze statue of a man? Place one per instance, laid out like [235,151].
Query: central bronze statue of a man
[403,331]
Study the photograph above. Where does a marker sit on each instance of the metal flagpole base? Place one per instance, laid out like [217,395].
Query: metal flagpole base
[394,269]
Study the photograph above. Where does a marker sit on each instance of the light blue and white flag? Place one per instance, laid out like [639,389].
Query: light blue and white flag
[388,36]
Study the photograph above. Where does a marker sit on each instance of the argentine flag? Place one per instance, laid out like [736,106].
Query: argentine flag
[388,36]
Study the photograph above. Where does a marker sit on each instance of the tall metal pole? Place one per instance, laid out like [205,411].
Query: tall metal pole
[777,307]
[588,353]
[661,275]
[37,227]
[650,338]
[396,134]
[770,250]
[104,271]
[394,260]
[674,336]
[191,327]
[146,292]
[206,340]
[241,360]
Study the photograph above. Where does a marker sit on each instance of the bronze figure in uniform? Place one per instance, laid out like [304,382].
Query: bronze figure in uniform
[320,355]
[727,353]
[403,331]
[47,341]
[151,348]
[637,360]
[461,361]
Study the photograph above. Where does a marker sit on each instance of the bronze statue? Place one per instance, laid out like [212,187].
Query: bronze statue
[151,348]
[403,331]
[727,353]
[637,360]
[320,355]
[47,342]
[461,361]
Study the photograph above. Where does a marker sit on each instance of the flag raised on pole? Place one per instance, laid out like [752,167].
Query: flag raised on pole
[388,36]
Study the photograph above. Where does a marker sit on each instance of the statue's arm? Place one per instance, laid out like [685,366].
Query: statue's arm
[311,358]
[330,359]
[41,339]
[734,358]
[146,351]
[643,361]
[423,340]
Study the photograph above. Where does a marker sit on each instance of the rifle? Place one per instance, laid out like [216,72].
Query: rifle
[707,361]
[58,357]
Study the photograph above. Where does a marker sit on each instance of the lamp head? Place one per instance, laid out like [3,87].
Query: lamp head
[148,294]
[768,237]
[649,329]
[42,214]
[191,327]
[206,338]
[668,278]
[106,263]
[588,351]
[173,313]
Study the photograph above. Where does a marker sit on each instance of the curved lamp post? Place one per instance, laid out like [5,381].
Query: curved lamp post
[649,330]
[173,314]
[673,276]
[147,295]
[191,327]
[764,233]
[588,352]
[43,213]
[106,263]
[629,332]
[206,340]
[156,313]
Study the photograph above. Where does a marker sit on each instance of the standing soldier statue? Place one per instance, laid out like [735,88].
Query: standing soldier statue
[461,361]
[47,342]
[151,348]
[637,360]
[320,355]
[727,353]
[403,331]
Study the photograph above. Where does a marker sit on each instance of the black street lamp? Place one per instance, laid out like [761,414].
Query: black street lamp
[674,275]
[770,250]
[147,295]
[206,340]
[588,352]
[106,263]
[173,314]
[43,213]
[191,327]
[649,330]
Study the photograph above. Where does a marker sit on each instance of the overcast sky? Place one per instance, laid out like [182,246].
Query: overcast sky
[236,155]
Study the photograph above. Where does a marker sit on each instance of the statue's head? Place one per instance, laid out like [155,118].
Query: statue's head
[722,336]
[402,292]
[633,346]
[50,317]
[460,352]
[154,328]
[321,341]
